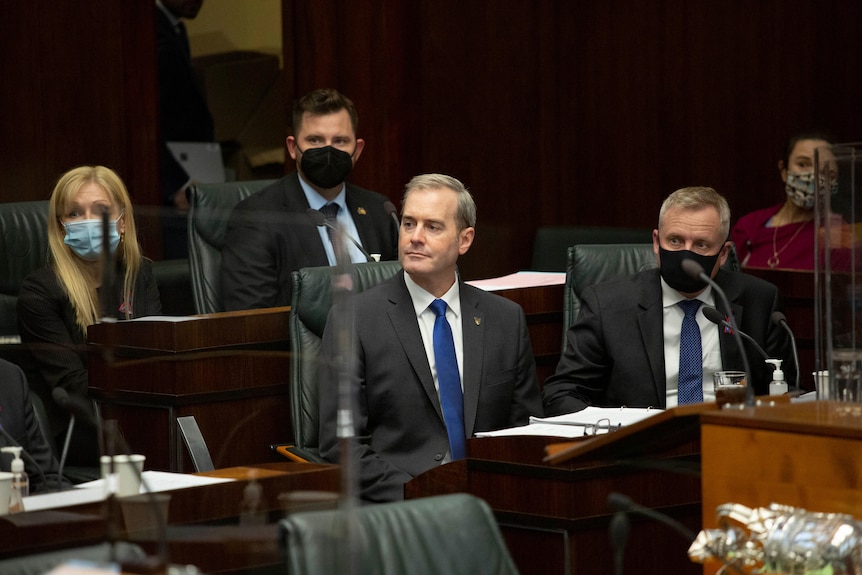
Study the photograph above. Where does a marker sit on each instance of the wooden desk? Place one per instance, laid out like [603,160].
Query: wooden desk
[202,530]
[543,307]
[807,455]
[229,370]
[555,516]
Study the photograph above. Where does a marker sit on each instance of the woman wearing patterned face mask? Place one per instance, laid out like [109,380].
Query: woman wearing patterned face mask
[782,236]
[58,302]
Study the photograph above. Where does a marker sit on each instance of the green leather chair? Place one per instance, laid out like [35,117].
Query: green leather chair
[210,206]
[312,299]
[23,248]
[589,264]
[447,534]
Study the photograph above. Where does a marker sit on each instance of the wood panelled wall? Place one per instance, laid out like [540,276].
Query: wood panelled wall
[580,113]
[552,112]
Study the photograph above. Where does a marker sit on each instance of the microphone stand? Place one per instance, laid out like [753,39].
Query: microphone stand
[345,358]
[695,270]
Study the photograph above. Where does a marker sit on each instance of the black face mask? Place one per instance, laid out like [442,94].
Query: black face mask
[326,167]
[675,276]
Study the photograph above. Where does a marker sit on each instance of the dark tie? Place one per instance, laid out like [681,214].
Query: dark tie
[184,40]
[330,213]
[690,385]
[449,381]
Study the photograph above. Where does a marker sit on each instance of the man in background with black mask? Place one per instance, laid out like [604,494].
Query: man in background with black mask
[271,234]
[624,348]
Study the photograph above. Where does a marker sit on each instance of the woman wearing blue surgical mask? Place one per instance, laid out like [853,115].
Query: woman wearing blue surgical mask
[56,304]
[782,236]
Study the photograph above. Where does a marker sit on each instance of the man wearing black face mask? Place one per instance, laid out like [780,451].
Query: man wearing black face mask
[624,348]
[270,234]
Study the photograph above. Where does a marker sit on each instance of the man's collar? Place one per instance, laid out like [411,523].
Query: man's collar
[316,201]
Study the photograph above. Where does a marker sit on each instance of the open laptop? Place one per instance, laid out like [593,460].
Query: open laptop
[201,160]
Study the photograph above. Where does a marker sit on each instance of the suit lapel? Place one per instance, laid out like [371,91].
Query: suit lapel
[473,331]
[731,357]
[359,213]
[307,235]
[403,318]
[651,323]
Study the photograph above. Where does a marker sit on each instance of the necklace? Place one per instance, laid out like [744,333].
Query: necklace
[773,259]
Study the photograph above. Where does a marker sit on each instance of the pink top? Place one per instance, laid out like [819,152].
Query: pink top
[756,244]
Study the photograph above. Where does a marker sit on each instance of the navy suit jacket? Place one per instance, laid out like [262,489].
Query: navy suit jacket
[400,431]
[270,235]
[614,352]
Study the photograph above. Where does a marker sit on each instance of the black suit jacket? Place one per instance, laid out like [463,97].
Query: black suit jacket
[400,431]
[270,235]
[614,352]
[21,427]
[183,112]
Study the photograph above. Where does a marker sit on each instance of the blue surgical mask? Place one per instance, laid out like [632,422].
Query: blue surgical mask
[84,237]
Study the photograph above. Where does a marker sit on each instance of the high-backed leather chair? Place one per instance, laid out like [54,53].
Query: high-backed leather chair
[312,299]
[210,206]
[552,242]
[589,264]
[23,248]
[446,534]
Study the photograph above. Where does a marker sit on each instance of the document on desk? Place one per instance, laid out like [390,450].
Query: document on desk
[93,491]
[589,421]
[520,280]
[601,416]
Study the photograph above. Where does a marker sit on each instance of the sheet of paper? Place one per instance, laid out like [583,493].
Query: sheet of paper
[608,416]
[92,491]
[170,318]
[520,280]
[541,429]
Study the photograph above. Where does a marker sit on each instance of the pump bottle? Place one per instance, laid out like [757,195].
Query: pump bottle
[777,386]
[20,481]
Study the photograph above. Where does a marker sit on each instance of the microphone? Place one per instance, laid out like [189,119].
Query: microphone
[717,318]
[779,318]
[76,406]
[321,221]
[393,213]
[107,272]
[623,504]
[618,530]
[695,270]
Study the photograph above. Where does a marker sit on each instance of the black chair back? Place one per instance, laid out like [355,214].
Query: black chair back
[210,207]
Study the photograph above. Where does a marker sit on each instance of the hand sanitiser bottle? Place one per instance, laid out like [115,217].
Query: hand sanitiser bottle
[777,386]
[20,481]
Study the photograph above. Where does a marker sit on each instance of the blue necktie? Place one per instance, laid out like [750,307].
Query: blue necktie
[330,213]
[690,385]
[449,381]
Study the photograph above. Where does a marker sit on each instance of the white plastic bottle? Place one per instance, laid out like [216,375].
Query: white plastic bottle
[777,386]
[20,481]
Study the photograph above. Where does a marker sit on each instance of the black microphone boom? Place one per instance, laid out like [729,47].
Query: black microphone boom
[77,406]
[779,318]
[623,504]
[393,213]
[717,318]
[695,270]
[321,221]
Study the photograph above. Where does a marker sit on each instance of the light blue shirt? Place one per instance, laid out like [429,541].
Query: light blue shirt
[344,220]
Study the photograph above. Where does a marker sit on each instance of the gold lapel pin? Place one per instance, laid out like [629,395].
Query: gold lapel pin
[478,320]
[360,211]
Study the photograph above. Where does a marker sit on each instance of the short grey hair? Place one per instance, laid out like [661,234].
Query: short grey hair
[697,197]
[466,213]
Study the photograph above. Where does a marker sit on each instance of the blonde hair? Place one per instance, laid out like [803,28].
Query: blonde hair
[71,270]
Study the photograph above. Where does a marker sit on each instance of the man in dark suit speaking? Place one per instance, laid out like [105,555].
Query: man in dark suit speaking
[625,347]
[270,234]
[435,360]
